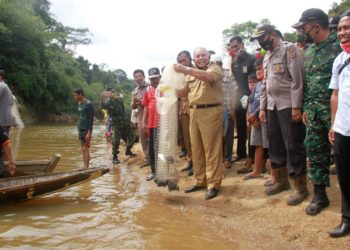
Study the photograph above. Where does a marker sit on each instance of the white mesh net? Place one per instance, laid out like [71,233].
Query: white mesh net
[167,107]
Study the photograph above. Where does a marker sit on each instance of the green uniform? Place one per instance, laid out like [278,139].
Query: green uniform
[318,62]
[121,124]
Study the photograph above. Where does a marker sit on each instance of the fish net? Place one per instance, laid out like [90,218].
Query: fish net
[167,107]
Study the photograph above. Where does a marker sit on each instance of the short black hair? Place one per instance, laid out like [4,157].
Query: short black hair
[258,62]
[139,71]
[186,53]
[346,13]
[2,73]
[236,38]
[79,91]
[252,75]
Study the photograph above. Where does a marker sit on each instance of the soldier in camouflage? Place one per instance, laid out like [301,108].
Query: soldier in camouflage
[121,123]
[318,61]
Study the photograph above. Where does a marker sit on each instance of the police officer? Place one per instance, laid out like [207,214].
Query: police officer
[121,123]
[318,60]
[281,97]
[204,88]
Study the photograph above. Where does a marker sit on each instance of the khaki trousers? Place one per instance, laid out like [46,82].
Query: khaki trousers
[185,125]
[143,139]
[206,142]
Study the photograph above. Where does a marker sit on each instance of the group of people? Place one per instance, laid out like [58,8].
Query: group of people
[294,102]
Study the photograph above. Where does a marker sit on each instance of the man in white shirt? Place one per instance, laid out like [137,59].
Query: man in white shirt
[339,135]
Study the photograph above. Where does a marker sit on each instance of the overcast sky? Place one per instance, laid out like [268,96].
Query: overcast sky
[131,34]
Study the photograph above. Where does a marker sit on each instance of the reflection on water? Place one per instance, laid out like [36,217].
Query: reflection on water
[111,212]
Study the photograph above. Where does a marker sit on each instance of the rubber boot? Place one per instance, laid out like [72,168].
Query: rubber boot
[281,183]
[319,201]
[300,191]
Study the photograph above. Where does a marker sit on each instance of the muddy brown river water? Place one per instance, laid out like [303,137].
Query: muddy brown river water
[115,211]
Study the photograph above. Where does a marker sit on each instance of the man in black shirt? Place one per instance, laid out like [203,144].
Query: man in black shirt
[242,65]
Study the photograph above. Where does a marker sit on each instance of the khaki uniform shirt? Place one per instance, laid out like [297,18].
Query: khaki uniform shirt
[138,93]
[283,85]
[206,93]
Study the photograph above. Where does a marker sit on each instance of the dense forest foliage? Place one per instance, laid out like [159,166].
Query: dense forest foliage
[41,67]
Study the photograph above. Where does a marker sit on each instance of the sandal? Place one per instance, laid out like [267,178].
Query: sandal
[250,176]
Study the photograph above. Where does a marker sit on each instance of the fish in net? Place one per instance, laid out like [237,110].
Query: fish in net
[167,107]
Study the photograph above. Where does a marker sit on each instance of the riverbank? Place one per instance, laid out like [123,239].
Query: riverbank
[242,216]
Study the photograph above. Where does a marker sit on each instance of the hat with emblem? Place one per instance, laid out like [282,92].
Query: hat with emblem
[262,30]
[153,73]
[310,15]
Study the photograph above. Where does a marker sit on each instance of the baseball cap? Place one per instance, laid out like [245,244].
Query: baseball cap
[153,73]
[262,30]
[310,15]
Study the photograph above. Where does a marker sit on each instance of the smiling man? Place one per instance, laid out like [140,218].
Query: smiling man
[204,88]
[339,134]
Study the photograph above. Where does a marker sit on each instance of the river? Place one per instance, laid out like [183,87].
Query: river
[115,211]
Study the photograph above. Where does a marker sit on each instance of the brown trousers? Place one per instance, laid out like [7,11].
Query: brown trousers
[185,125]
[206,142]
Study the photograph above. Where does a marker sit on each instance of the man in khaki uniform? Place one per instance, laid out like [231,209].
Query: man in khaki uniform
[281,98]
[204,88]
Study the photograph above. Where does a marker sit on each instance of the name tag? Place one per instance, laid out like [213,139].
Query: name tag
[278,68]
[245,69]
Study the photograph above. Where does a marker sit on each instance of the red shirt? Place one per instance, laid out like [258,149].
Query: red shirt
[149,99]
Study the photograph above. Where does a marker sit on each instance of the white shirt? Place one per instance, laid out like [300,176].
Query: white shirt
[342,83]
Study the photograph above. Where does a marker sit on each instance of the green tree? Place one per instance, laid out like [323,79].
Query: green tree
[338,9]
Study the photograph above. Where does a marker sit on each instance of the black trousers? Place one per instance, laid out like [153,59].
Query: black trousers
[342,162]
[241,131]
[286,140]
[228,141]
[153,148]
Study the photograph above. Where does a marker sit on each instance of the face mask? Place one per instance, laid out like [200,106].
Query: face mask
[231,53]
[346,47]
[266,45]
[307,36]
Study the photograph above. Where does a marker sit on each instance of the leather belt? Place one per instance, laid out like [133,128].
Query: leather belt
[204,106]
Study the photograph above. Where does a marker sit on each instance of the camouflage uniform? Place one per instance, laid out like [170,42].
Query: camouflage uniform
[121,124]
[318,61]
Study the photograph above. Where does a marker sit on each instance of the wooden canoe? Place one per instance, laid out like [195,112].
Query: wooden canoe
[22,188]
[34,167]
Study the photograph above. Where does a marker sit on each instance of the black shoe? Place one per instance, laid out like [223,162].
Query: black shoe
[188,167]
[340,231]
[182,154]
[318,202]
[193,189]
[115,160]
[190,173]
[151,177]
[129,153]
[212,193]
